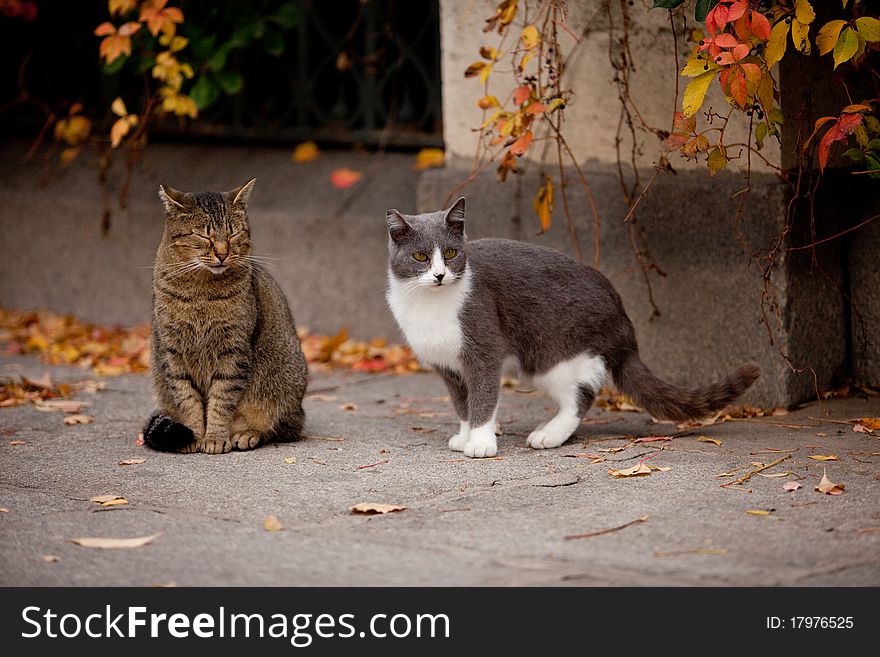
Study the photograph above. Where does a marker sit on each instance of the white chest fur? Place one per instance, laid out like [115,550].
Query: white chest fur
[428,317]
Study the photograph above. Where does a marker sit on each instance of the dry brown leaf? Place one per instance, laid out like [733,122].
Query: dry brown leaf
[271,523]
[829,487]
[639,470]
[612,450]
[758,512]
[16,443]
[861,428]
[290,460]
[100,499]
[790,486]
[871,423]
[115,543]
[373,508]
[3,509]
[321,398]
[348,407]
[773,475]
[823,457]
[65,405]
[131,461]
[51,558]
[119,501]
[79,418]
[706,439]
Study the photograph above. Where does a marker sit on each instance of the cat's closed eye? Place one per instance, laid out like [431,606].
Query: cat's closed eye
[420,256]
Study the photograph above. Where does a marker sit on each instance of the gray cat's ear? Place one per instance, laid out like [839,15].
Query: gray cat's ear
[397,225]
[173,199]
[241,195]
[455,216]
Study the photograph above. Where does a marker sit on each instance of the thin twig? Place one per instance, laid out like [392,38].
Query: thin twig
[573,537]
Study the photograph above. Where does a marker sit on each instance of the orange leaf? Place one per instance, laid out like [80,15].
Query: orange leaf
[521,94]
[521,145]
[488,101]
[536,107]
[118,131]
[474,69]
[829,487]
[344,178]
[307,151]
[429,158]
[544,203]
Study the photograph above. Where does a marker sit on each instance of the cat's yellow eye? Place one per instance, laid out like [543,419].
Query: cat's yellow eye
[420,256]
[449,254]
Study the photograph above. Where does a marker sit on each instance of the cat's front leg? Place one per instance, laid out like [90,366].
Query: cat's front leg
[458,394]
[484,387]
[224,397]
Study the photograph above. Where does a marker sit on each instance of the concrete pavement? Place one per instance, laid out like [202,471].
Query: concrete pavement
[467,522]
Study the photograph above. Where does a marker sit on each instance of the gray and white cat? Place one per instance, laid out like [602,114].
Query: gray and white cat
[468,309]
[227,365]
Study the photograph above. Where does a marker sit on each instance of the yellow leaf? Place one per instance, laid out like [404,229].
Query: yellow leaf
[525,60]
[800,36]
[119,501]
[827,36]
[374,508]
[829,487]
[102,499]
[484,73]
[305,152]
[530,37]
[290,460]
[639,470]
[488,52]
[776,45]
[869,28]
[823,457]
[556,102]
[118,131]
[765,92]
[696,66]
[78,419]
[73,130]
[488,101]
[696,92]
[758,512]
[543,203]
[803,11]
[271,523]
[717,160]
[846,46]
[118,107]
[706,439]
[68,155]
[115,543]
[872,423]
[429,158]
[474,69]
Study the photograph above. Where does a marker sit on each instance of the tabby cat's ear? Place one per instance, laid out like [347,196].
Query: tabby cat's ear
[455,216]
[240,195]
[397,225]
[173,199]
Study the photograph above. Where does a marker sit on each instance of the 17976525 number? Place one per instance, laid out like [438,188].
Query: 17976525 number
[810,623]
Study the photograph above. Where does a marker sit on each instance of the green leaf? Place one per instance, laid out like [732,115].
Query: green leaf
[775,116]
[273,42]
[846,47]
[872,124]
[760,134]
[854,154]
[204,92]
[232,82]
[217,61]
[243,35]
[115,66]
[666,4]
[702,9]
[873,144]
[287,15]
[869,28]
[717,160]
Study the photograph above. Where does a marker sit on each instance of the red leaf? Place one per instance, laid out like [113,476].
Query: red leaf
[344,178]
[536,107]
[736,10]
[521,145]
[726,41]
[760,26]
[841,129]
[521,94]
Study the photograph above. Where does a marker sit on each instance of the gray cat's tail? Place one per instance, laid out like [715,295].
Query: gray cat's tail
[165,435]
[668,402]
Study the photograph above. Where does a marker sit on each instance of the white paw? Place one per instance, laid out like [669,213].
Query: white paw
[480,446]
[458,441]
[544,439]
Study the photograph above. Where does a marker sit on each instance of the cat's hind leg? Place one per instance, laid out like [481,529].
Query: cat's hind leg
[250,427]
[458,395]
[573,384]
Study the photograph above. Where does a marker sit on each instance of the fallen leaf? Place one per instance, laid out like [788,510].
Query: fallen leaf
[131,461]
[16,443]
[290,460]
[823,457]
[652,439]
[729,474]
[871,423]
[3,509]
[790,486]
[321,398]
[637,470]
[861,428]
[51,558]
[271,523]
[829,487]
[429,158]
[758,512]
[64,405]
[100,499]
[773,475]
[344,178]
[821,434]
[612,450]
[305,152]
[706,439]
[115,543]
[139,441]
[373,508]
[348,407]
[117,502]
[78,419]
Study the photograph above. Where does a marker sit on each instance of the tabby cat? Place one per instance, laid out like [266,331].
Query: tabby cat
[227,365]
[468,309]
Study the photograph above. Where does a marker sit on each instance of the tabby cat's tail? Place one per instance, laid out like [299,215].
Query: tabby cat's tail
[165,435]
[668,402]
